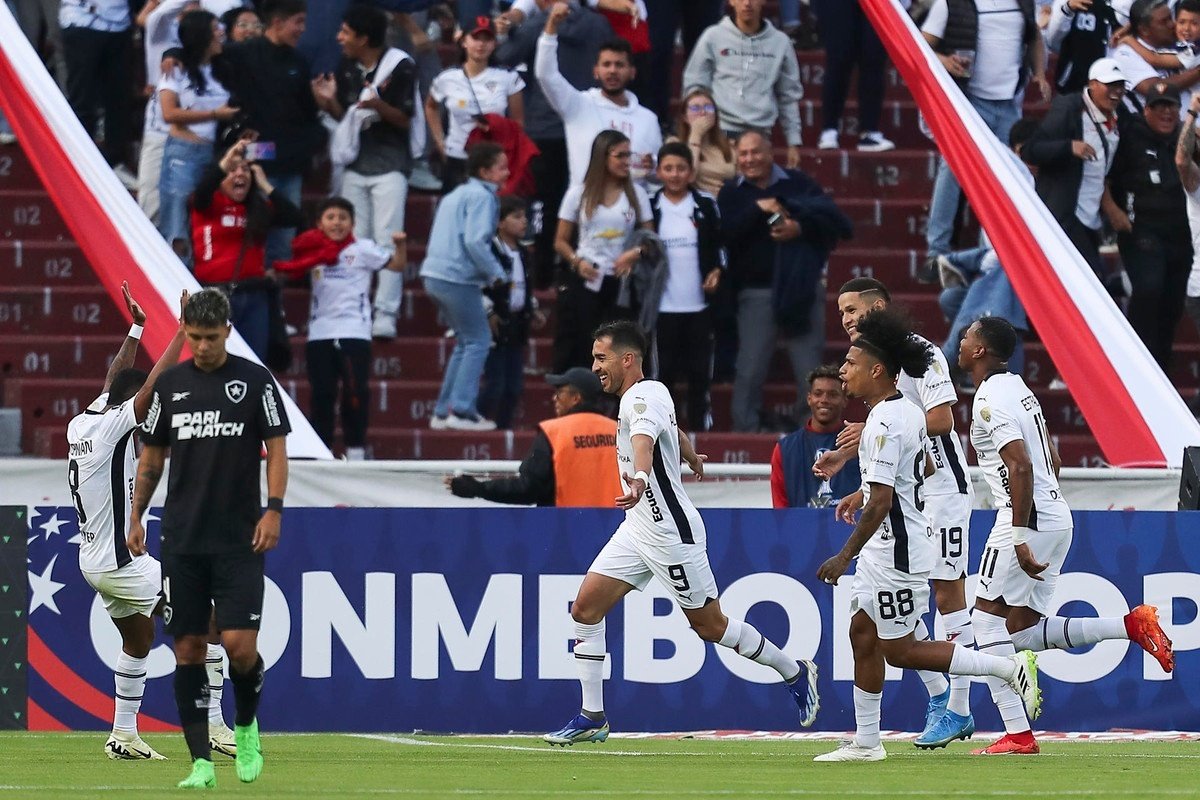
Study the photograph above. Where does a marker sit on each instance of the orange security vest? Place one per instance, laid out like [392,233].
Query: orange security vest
[584,448]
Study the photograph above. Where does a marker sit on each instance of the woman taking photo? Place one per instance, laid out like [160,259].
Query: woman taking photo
[459,263]
[466,94]
[233,207]
[712,152]
[193,104]
[599,214]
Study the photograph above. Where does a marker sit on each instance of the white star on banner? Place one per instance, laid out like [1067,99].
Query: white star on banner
[52,525]
[44,587]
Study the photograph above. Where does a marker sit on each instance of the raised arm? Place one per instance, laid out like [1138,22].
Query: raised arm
[169,357]
[128,352]
[1185,150]
[560,94]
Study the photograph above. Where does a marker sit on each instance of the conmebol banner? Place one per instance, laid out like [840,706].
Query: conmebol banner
[1130,405]
[459,620]
[114,234]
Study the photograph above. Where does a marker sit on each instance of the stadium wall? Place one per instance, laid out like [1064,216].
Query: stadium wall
[457,620]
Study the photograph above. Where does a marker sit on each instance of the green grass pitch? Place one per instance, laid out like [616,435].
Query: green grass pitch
[322,765]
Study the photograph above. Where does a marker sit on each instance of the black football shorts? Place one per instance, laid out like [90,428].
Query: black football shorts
[196,586]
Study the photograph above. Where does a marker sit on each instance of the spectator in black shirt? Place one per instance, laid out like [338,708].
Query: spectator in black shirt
[779,227]
[214,412]
[269,80]
[1150,216]
[1079,31]
[381,128]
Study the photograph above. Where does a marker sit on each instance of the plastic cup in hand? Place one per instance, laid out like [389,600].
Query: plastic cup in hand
[967,59]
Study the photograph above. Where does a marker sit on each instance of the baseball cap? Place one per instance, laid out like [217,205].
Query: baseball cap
[483,25]
[1106,70]
[1163,92]
[583,380]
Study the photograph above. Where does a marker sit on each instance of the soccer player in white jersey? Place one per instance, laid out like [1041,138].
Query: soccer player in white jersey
[661,537]
[948,501]
[1032,533]
[100,474]
[893,541]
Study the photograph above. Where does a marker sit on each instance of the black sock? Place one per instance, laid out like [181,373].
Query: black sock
[247,689]
[191,697]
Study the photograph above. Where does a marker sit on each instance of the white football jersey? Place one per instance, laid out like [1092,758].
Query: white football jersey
[892,452]
[931,390]
[1004,411]
[100,474]
[665,513]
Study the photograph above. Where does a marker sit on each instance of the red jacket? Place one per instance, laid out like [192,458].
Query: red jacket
[519,148]
[219,227]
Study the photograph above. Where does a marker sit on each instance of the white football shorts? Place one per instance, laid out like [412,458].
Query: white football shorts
[950,517]
[132,589]
[1001,577]
[895,601]
[682,568]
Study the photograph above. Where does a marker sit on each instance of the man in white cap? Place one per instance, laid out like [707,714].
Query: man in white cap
[1073,149]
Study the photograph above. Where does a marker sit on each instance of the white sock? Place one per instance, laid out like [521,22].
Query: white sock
[960,631]
[935,682]
[966,661]
[745,640]
[1063,633]
[589,663]
[991,637]
[130,680]
[216,684]
[866,717]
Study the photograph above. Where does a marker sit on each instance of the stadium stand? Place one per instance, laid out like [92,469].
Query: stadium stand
[57,324]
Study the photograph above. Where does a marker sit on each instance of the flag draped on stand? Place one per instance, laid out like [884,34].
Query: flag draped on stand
[1135,413]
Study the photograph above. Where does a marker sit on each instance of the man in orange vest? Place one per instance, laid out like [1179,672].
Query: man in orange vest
[573,462]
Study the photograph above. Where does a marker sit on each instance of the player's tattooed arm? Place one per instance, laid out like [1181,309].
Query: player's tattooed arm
[149,473]
[872,515]
[1185,150]
[128,352]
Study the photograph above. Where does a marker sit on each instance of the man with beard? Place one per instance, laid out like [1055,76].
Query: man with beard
[609,107]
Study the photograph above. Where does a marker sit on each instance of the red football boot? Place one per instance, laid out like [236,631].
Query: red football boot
[1011,744]
[1142,626]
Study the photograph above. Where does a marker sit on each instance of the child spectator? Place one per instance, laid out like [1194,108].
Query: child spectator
[513,311]
[466,94]
[339,317]
[689,225]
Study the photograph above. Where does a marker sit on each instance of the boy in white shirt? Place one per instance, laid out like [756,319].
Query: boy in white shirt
[339,318]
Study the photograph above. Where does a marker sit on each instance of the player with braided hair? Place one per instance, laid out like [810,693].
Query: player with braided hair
[893,541]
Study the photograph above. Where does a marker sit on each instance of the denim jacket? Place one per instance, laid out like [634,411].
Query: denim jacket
[460,241]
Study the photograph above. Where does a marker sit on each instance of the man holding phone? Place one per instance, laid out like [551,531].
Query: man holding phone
[778,226]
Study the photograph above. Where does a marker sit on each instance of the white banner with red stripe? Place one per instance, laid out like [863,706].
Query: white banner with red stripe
[1135,413]
[116,237]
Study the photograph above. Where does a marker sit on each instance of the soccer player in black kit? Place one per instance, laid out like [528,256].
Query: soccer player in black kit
[214,413]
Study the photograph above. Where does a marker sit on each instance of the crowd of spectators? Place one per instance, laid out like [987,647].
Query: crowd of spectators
[562,162]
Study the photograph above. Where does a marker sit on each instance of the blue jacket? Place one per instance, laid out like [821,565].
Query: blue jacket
[460,241]
[793,484]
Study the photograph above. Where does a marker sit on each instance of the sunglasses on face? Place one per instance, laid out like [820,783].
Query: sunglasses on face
[698,108]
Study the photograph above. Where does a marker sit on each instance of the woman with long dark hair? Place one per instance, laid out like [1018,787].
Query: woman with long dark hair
[595,219]
[465,94]
[194,103]
[233,207]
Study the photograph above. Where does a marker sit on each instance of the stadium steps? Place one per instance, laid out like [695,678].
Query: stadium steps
[58,329]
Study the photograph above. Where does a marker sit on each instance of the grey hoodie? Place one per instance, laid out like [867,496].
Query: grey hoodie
[754,79]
